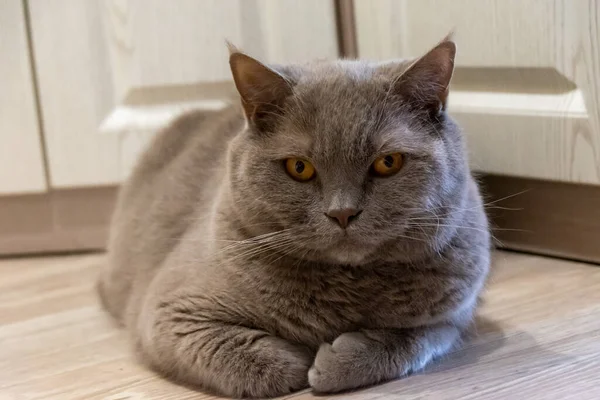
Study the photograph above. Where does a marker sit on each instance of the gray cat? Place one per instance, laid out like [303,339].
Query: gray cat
[328,233]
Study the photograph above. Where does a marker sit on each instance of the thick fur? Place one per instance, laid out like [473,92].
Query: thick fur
[230,277]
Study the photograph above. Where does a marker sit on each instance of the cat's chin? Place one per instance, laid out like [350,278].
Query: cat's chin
[349,255]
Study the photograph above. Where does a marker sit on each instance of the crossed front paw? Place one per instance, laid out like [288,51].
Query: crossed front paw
[351,361]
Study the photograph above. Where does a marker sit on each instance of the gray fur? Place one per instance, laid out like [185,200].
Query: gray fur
[211,303]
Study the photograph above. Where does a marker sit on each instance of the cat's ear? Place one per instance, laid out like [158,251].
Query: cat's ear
[262,89]
[426,82]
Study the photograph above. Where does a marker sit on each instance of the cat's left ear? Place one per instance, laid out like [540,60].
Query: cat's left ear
[426,82]
[262,89]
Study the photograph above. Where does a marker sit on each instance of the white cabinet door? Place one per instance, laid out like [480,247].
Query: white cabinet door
[110,72]
[527,83]
[21,160]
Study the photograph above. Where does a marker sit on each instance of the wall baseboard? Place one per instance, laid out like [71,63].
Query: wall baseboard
[551,218]
[57,221]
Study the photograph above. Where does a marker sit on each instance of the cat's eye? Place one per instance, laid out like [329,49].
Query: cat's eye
[299,169]
[387,165]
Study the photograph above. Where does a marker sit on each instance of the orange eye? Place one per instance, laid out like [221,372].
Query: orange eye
[387,165]
[299,169]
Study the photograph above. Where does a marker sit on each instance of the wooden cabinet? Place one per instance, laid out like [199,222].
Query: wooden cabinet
[111,72]
[527,83]
[21,160]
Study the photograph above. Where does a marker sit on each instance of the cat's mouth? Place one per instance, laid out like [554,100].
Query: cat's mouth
[338,247]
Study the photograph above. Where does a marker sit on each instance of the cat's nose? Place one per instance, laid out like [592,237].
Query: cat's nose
[343,216]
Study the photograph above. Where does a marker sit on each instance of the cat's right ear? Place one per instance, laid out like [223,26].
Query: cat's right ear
[262,89]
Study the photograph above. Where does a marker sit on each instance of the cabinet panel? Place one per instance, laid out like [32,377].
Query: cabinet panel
[112,72]
[21,161]
[526,86]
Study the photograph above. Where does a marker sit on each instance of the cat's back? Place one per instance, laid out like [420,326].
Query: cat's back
[173,184]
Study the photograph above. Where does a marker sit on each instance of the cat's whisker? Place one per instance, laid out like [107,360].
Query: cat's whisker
[204,240]
[293,247]
[410,238]
[260,245]
[472,228]
[488,205]
[266,249]
[265,236]
[507,197]
[503,208]
[250,251]
[284,251]
[238,249]
[247,252]
[450,226]
[453,210]
[422,229]
[495,229]
[281,247]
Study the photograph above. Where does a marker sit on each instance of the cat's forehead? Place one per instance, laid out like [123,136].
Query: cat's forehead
[342,110]
[344,94]
[345,108]
[337,100]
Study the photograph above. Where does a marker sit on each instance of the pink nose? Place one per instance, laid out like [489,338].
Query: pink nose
[343,216]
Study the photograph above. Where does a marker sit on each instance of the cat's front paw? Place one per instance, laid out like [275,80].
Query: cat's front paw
[347,363]
[277,368]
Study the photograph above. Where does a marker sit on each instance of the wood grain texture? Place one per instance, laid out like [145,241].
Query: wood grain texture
[526,88]
[539,338]
[21,161]
[111,72]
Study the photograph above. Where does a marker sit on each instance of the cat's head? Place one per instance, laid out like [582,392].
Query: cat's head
[352,161]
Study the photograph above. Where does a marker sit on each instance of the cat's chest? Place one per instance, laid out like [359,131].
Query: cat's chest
[320,306]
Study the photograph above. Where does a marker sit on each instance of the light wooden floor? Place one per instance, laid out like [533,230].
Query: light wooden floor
[539,338]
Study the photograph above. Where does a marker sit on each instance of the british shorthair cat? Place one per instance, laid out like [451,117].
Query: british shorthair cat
[327,233]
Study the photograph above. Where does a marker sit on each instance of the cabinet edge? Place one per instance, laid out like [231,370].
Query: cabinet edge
[346,28]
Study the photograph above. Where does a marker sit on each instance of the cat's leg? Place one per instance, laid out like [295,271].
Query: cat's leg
[225,358]
[364,358]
